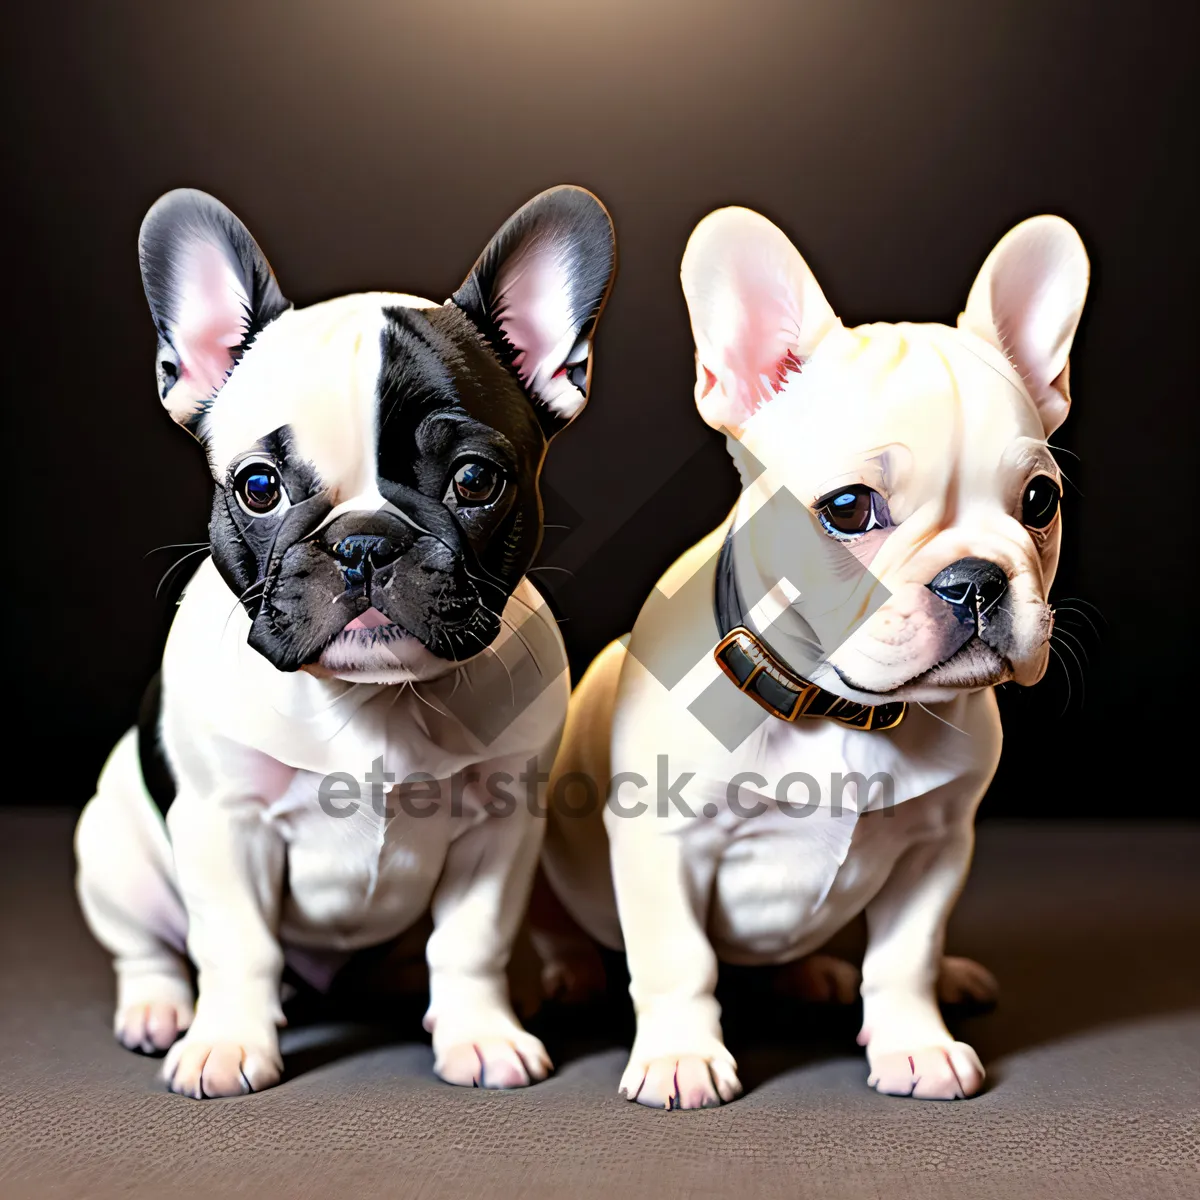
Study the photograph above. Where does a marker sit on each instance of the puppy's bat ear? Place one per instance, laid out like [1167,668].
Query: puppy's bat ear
[1027,300]
[536,293]
[757,313]
[210,290]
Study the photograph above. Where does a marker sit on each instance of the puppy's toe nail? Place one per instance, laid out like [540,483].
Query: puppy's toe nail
[632,1082]
[162,1026]
[930,1073]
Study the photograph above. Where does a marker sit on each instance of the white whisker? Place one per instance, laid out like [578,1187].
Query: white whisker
[1073,640]
[178,563]
[173,546]
[943,720]
[1067,674]
[1082,686]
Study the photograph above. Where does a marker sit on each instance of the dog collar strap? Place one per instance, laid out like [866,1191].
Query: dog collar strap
[784,694]
[772,684]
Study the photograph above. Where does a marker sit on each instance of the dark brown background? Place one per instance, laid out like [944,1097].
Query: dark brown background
[374,143]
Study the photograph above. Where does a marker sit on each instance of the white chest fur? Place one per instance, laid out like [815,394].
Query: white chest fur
[796,829]
[788,878]
[367,785]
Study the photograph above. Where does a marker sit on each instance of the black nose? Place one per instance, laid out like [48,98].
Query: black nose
[971,586]
[358,550]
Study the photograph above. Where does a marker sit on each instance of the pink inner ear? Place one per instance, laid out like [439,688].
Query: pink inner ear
[790,364]
[758,326]
[535,313]
[211,319]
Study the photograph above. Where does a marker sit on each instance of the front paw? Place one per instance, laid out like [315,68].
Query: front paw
[205,1068]
[155,1003]
[702,1076]
[504,1057]
[152,1027]
[945,1072]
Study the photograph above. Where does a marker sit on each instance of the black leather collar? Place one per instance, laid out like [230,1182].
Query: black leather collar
[766,678]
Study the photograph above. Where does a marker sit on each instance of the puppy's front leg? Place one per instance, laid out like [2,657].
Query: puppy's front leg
[477,908]
[663,886]
[909,1048]
[229,863]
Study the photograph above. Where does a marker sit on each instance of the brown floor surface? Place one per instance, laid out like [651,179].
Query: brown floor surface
[1093,1055]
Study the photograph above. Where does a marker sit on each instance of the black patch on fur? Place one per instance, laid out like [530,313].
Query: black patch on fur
[242,545]
[445,398]
[156,771]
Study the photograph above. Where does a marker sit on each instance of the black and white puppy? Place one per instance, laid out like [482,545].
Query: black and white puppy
[376,460]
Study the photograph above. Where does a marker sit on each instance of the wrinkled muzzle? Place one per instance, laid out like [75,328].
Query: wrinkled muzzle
[376,570]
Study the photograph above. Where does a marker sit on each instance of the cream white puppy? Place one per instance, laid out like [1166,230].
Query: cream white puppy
[887,564]
[360,686]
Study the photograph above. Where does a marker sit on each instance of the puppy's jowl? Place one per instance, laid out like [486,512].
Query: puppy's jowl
[837,639]
[376,461]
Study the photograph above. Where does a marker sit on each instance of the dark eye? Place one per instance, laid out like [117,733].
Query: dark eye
[1039,505]
[850,511]
[476,482]
[258,488]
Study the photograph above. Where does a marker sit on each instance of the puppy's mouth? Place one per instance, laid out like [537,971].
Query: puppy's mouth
[456,634]
[974,664]
[373,623]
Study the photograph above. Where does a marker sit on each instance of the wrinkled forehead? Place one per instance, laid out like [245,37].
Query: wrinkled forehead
[316,370]
[923,393]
